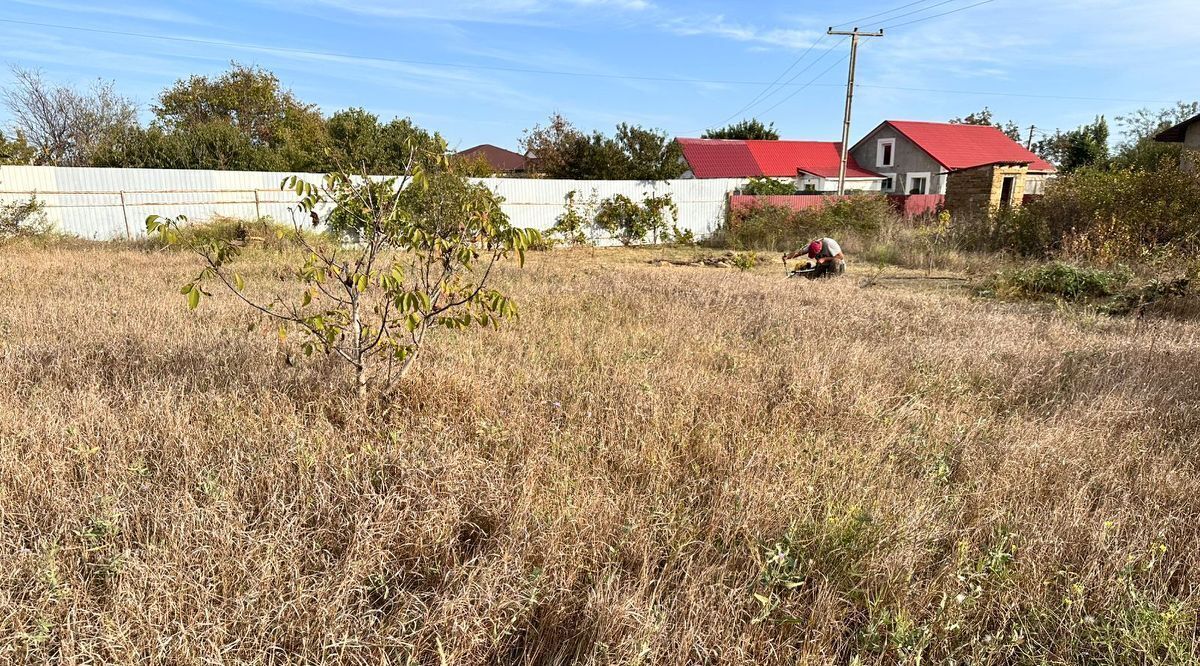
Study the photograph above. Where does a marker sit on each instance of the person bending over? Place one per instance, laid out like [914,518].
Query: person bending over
[826,253]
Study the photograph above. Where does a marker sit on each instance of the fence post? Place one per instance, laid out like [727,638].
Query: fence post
[125,215]
[257,210]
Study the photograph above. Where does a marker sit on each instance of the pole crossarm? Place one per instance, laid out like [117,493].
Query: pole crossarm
[853,35]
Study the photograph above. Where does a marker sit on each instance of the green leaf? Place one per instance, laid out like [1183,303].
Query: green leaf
[307,298]
[239,282]
[193,298]
[187,288]
[362,283]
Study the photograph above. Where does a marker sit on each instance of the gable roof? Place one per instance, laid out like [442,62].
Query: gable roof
[1176,134]
[956,146]
[732,158]
[499,158]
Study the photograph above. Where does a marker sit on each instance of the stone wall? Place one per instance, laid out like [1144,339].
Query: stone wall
[976,192]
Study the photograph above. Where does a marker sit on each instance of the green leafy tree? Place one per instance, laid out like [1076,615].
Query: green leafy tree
[751,129]
[1084,146]
[427,245]
[649,154]
[985,117]
[552,147]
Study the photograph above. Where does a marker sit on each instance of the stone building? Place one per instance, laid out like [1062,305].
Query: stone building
[986,189]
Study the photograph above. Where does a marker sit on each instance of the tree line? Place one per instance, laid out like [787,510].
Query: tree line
[244,119]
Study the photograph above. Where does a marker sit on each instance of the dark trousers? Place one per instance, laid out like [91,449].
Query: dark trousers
[826,270]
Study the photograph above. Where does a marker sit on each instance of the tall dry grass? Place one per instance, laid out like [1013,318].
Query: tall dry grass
[656,465]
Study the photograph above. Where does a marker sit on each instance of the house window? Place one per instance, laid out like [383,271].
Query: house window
[810,187]
[889,182]
[918,183]
[885,156]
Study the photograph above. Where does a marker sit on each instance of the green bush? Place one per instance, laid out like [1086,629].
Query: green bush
[775,228]
[630,222]
[1061,280]
[761,187]
[25,218]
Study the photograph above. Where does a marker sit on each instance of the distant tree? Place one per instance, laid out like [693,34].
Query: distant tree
[64,126]
[560,150]
[651,154]
[985,117]
[1084,146]
[16,150]
[751,129]
[552,146]
[1138,149]
[249,99]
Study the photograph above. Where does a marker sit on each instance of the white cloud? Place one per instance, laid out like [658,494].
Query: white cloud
[124,10]
[718,26]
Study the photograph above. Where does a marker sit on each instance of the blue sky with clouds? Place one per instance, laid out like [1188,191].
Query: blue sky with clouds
[483,70]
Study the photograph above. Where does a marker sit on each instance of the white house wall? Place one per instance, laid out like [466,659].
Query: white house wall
[105,204]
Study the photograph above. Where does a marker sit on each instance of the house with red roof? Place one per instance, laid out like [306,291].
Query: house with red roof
[811,165]
[919,157]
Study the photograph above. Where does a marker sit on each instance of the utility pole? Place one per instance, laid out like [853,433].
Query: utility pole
[853,35]
[1029,143]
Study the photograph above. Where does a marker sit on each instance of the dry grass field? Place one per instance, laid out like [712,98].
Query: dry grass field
[655,465]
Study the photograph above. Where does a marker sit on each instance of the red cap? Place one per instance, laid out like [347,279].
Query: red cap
[814,248]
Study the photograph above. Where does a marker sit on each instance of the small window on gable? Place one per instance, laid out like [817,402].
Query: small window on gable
[886,155]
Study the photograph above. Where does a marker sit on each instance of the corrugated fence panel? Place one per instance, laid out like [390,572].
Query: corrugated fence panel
[114,203]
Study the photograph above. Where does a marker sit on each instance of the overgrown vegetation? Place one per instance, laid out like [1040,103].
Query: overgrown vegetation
[777,228]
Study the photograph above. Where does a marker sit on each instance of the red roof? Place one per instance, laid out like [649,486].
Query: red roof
[730,158]
[501,160]
[965,146]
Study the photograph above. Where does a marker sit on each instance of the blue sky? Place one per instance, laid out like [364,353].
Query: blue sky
[481,71]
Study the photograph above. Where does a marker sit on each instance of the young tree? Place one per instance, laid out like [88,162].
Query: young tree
[751,129]
[427,243]
[64,126]
[984,117]
[630,222]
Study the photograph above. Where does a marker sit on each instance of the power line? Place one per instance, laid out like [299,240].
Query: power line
[926,18]
[900,16]
[860,21]
[801,88]
[773,83]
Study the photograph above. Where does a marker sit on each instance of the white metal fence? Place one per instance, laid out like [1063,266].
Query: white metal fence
[105,204]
